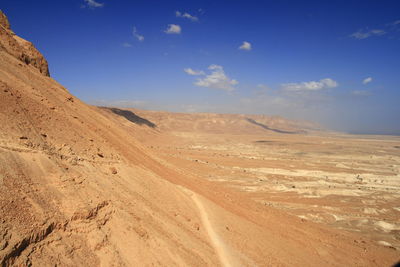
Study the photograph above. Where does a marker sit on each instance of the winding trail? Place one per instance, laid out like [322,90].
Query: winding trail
[220,248]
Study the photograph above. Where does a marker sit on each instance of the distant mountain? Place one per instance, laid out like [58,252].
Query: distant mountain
[221,123]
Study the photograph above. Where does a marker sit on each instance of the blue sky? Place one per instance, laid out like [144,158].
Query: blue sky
[333,62]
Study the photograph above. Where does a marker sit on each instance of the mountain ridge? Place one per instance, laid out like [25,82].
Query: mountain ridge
[223,123]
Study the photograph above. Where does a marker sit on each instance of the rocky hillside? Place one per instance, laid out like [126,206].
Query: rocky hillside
[20,48]
[4,21]
[78,189]
[74,188]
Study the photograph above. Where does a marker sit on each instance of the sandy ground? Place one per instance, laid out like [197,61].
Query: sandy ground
[225,256]
[88,186]
[346,182]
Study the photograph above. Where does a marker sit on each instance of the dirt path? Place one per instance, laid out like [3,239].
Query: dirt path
[223,254]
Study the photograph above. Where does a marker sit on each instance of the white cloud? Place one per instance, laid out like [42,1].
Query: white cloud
[365,34]
[367,80]
[173,29]
[310,86]
[137,35]
[93,3]
[217,79]
[193,72]
[186,16]
[245,46]
[126,45]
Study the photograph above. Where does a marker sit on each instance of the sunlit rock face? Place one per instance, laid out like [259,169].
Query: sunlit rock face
[20,48]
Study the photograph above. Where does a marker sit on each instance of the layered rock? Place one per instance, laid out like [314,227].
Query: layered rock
[20,48]
[4,21]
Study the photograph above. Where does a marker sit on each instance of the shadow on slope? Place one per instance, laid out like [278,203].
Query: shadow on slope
[271,129]
[132,117]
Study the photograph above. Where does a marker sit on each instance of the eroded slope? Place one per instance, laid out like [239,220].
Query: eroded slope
[77,188]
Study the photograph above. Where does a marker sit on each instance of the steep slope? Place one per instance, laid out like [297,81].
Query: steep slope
[78,189]
[20,48]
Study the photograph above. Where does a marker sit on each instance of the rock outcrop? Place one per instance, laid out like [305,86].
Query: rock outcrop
[20,48]
[4,21]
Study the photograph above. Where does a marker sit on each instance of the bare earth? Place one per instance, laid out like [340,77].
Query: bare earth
[89,186]
[344,181]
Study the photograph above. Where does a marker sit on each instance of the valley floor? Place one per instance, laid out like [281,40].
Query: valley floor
[350,183]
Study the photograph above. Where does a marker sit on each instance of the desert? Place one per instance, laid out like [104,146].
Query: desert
[105,185]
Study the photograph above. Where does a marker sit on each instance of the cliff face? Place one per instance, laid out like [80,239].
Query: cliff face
[4,20]
[20,48]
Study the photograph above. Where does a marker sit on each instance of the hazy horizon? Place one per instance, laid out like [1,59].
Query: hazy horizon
[333,63]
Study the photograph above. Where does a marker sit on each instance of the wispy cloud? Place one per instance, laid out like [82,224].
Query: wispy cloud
[394,23]
[126,44]
[173,29]
[194,72]
[310,86]
[367,80]
[361,93]
[245,46]
[186,16]
[387,29]
[217,79]
[93,3]
[366,34]
[137,35]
